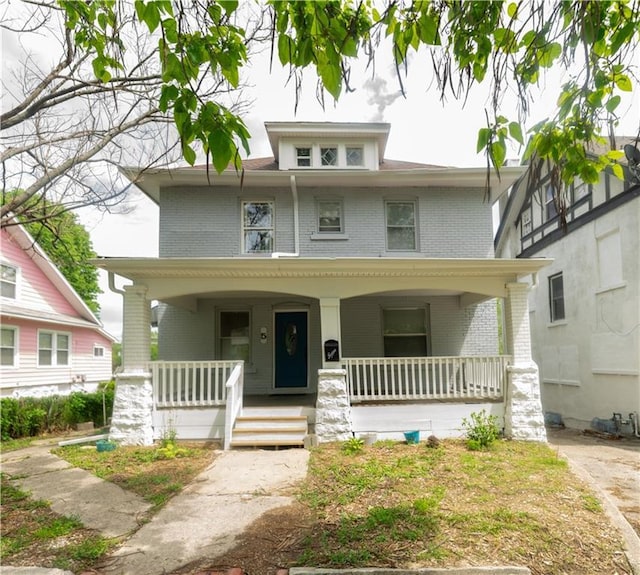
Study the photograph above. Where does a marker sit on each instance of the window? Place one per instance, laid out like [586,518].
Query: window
[8,280]
[556,297]
[330,216]
[8,346]
[234,335]
[257,227]
[525,222]
[98,351]
[401,226]
[53,348]
[303,157]
[550,208]
[329,156]
[405,332]
[355,156]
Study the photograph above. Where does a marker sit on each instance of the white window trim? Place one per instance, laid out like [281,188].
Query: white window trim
[97,347]
[54,350]
[297,157]
[16,346]
[416,247]
[335,147]
[243,247]
[346,155]
[327,200]
[316,156]
[427,326]
[17,282]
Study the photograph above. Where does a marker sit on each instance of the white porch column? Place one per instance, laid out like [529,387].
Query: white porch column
[131,423]
[523,418]
[330,326]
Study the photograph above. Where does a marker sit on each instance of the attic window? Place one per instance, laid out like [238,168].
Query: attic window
[8,281]
[355,157]
[329,156]
[303,156]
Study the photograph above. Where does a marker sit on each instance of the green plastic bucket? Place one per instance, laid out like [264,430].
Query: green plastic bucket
[412,437]
[104,445]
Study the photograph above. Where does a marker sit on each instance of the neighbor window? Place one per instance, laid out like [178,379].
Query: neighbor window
[550,208]
[8,280]
[405,332]
[8,346]
[556,297]
[525,221]
[235,342]
[401,226]
[330,216]
[257,227]
[329,156]
[303,157]
[54,348]
[98,351]
[355,157]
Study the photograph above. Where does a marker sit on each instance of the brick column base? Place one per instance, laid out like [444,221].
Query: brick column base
[523,418]
[131,422]
[333,409]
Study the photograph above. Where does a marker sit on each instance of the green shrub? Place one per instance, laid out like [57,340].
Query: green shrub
[481,430]
[29,416]
[353,445]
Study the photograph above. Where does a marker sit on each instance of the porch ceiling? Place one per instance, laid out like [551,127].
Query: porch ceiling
[167,278]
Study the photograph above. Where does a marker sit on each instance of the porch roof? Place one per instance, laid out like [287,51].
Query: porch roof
[472,279]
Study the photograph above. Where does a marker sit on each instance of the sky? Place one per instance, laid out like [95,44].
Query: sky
[422,130]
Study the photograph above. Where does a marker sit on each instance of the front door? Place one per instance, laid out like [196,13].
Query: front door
[291,351]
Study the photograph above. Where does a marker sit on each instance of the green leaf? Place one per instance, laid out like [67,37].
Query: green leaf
[331,77]
[229,6]
[623,82]
[512,10]
[618,172]
[483,138]
[189,154]
[222,149]
[516,132]
[285,49]
[613,103]
[498,153]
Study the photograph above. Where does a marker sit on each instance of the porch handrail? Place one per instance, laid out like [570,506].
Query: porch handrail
[411,378]
[190,383]
[234,386]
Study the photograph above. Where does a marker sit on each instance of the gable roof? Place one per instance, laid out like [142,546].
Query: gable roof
[86,317]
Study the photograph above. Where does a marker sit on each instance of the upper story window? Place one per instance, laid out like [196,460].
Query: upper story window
[234,341]
[54,348]
[303,157]
[405,332]
[355,156]
[401,226]
[550,208]
[556,297]
[98,351]
[329,156]
[330,217]
[8,281]
[257,227]
[526,224]
[8,346]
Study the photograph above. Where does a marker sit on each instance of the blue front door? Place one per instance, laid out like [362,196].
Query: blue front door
[291,349]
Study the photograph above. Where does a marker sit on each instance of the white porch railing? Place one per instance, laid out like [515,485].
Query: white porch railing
[235,390]
[411,378]
[191,383]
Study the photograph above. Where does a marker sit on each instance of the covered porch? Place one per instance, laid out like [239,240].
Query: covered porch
[338,294]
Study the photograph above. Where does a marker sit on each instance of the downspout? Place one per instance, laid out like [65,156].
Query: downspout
[112,284]
[296,224]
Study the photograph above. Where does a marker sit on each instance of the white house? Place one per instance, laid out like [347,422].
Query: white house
[585,307]
[349,292]
[52,343]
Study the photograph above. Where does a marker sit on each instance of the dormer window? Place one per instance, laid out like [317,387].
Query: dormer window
[329,156]
[303,156]
[355,156]
[8,281]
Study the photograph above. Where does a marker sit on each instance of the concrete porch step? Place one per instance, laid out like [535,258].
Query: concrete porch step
[289,422]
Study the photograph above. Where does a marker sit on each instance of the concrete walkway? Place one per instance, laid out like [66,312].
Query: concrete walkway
[202,522]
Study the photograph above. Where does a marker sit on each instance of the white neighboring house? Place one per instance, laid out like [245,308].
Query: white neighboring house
[585,306]
[52,343]
[344,291]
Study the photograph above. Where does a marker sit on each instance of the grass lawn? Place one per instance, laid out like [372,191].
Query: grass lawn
[33,535]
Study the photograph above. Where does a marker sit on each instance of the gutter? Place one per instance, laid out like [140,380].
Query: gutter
[296,223]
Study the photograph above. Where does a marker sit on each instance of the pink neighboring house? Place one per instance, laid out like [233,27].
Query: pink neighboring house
[51,342]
